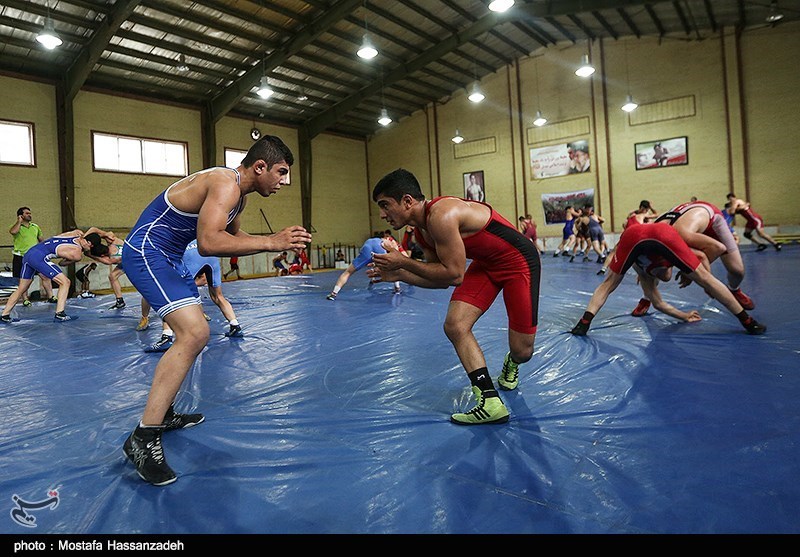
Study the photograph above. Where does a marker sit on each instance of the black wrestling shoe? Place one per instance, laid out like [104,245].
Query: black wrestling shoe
[761,247]
[777,247]
[235,331]
[754,327]
[119,304]
[174,420]
[581,328]
[161,345]
[143,448]
[61,316]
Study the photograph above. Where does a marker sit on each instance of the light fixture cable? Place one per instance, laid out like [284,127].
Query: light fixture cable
[539,120]
[630,105]
[384,119]
[367,50]
[475,94]
[264,90]
[586,68]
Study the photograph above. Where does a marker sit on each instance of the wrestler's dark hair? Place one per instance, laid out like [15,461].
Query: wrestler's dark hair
[396,184]
[99,250]
[93,238]
[271,149]
[644,204]
[22,210]
[730,195]
[98,247]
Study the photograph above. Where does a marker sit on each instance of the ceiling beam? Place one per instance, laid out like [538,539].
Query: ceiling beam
[82,65]
[604,22]
[224,102]
[322,121]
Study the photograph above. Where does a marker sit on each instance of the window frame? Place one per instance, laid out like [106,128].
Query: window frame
[142,140]
[32,135]
[226,150]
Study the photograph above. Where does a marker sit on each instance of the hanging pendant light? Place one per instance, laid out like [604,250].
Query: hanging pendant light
[774,14]
[384,120]
[475,94]
[264,90]
[48,37]
[182,66]
[367,50]
[540,120]
[457,138]
[629,105]
[586,69]
[500,5]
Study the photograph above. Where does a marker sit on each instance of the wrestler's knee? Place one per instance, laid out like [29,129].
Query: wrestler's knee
[195,339]
[521,348]
[455,328]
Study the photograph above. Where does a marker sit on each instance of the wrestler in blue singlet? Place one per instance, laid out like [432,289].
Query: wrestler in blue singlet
[153,255]
[373,245]
[569,229]
[596,231]
[37,258]
[195,263]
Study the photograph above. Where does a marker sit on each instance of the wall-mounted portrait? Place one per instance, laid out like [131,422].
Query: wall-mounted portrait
[474,188]
[560,160]
[664,152]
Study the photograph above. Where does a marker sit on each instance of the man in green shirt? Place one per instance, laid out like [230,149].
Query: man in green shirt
[26,235]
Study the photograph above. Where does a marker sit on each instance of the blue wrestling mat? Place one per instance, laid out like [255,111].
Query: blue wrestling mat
[332,417]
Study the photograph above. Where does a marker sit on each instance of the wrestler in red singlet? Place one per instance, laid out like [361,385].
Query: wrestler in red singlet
[502,259]
[655,245]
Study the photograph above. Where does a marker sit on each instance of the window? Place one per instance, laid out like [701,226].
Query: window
[16,143]
[234,157]
[119,153]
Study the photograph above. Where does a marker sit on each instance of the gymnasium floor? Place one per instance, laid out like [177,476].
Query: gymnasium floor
[332,417]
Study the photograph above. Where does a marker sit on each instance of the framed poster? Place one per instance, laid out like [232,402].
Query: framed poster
[663,152]
[560,160]
[555,205]
[473,186]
